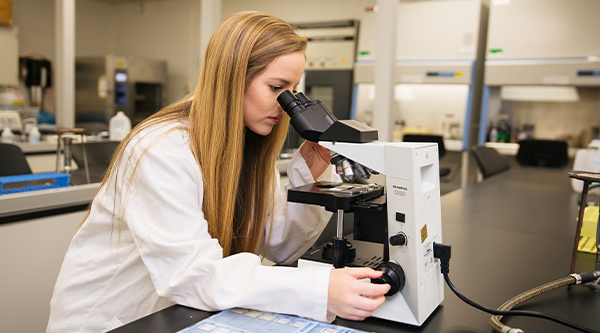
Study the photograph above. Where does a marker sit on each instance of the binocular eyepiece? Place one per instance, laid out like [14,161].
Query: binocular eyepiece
[309,118]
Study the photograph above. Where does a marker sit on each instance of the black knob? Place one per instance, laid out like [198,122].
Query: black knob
[398,240]
[393,275]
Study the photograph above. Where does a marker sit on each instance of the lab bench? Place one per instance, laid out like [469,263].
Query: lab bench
[510,233]
[36,229]
[26,205]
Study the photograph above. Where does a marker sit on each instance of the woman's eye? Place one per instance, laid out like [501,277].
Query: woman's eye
[275,88]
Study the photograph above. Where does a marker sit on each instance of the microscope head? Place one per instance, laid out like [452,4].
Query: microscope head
[314,122]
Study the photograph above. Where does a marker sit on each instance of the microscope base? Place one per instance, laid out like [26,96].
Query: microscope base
[369,254]
[395,307]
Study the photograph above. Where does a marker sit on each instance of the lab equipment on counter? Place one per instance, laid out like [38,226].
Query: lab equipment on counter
[587,178]
[406,219]
[33,182]
[111,83]
[34,135]
[589,230]
[36,74]
[119,126]
[11,119]
[64,147]
[7,135]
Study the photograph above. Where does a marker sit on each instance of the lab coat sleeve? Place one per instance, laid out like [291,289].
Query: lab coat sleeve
[295,226]
[163,213]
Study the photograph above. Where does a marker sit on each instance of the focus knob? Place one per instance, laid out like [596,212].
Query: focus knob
[398,240]
[393,275]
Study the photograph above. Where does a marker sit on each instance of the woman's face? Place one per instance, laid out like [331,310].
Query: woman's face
[261,110]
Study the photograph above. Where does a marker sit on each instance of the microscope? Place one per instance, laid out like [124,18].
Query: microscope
[404,215]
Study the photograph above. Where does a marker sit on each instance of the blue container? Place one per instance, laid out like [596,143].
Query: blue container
[33,182]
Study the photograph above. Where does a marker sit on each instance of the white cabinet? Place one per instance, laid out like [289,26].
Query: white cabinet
[9,56]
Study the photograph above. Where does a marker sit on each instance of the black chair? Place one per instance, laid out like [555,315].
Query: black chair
[489,161]
[12,161]
[431,138]
[543,153]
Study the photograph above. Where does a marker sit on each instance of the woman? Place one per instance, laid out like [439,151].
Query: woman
[192,195]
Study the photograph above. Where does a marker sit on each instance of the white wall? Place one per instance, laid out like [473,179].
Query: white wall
[167,30]
[94,27]
[35,19]
[95,32]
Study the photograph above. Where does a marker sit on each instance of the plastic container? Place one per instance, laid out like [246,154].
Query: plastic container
[118,127]
[33,182]
[34,135]
[7,135]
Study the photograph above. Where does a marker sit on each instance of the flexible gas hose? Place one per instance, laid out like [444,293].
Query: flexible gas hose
[498,326]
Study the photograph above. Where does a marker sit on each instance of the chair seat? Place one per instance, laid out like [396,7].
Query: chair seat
[13,161]
[489,161]
[444,172]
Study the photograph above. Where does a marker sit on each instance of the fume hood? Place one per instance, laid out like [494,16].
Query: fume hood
[542,70]
[437,73]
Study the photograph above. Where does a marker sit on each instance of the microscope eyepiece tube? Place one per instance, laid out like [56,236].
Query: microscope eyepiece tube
[303,99]
[290,103]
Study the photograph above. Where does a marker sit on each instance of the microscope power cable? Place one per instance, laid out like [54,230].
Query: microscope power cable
[442,252]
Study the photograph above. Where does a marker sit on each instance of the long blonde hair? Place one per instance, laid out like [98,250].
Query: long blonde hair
[237,165]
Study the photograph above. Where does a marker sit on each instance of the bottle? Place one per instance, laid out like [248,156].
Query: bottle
[504,130]
[118,127]
[34,135]
[7,135]
[493,134]
[398,130]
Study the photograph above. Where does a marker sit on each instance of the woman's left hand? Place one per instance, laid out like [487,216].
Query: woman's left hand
[317,157]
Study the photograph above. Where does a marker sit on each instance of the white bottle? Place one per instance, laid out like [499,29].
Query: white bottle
[7,135]
[493,135]
[118,127]
[34,135]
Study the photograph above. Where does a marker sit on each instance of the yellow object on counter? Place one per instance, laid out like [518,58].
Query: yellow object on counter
[587,241]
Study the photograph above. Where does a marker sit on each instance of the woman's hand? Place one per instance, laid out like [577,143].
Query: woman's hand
[317,157]
[352,299]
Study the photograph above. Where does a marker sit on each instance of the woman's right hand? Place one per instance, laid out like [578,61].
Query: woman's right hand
[351,298]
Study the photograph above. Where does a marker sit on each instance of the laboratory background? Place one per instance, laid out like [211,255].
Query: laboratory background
[509,90]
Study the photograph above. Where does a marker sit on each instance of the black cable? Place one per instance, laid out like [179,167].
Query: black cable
[442,252]
[516,312]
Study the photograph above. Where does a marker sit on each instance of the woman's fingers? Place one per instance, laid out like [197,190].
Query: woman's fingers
[351,298]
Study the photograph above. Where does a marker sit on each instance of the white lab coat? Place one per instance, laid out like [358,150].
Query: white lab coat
[165,255]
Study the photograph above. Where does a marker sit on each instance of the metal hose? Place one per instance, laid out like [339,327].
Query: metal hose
[498,326]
